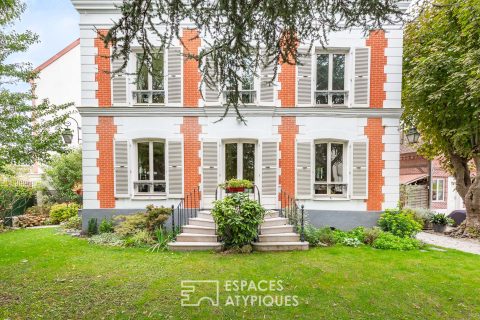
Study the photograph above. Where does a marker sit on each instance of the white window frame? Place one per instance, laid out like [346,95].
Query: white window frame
[255,90]
[150,91]
[150,160]
[239,143]
[437,189]
[328,183]
[330,78]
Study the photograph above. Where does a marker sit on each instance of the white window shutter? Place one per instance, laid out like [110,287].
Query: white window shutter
[121,168]
[211,93]
[304,79]
[359,170]
[269,168]
[361,80]
[304,182]
[267,86]
[209,167]
[174,76]
[119,83]
[175,168]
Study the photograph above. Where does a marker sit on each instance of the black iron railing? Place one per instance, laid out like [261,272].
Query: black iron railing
[220,192]
[296,215]
[188,208]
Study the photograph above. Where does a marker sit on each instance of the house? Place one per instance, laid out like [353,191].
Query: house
[326,133]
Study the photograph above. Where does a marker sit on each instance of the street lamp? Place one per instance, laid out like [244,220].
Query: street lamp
[67,133]
[413,135]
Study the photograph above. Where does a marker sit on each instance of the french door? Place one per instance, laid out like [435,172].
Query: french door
[240,160]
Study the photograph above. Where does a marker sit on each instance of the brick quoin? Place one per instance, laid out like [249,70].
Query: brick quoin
[288,131]
[377,43]
[375,131]
[191,74]
[191,130]
[104,91]
[106,130]
[288,80]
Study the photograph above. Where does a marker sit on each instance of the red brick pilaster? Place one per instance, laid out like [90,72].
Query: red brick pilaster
[106,130]
[191,130]
[375,131]
[288,84]
[288,132]
[104,91]
[377,43]
[191,73]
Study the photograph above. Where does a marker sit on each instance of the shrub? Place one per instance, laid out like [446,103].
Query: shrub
[74,222]
[14,198]
[43,210]
[238,183]
[106,226]
[371,234]
[441,219]
[107,239]
[62,212]
[399,223]
[319,236]
[163,237]
[92,227]
[237,218]
[389,241]
[351,242]
[129,225]
[422,215]
[156,217]
[141,238]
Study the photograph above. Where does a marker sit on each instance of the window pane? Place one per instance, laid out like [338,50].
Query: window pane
[338,98]
[434,189]
[321,162]
[249,161]
[338,189]
[321,98]
[338,80]
[320,189]
[158,161]
[230,161]
[322,72]
[157,75]
[143,162]
[143,188]
[142,74]
[159,187]
[336,162]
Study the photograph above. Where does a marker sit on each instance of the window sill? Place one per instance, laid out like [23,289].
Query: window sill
[331,198]
[160,196]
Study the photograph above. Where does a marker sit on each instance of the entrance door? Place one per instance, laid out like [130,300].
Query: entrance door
[240,161]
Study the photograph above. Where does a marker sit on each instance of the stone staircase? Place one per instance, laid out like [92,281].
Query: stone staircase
[275,235]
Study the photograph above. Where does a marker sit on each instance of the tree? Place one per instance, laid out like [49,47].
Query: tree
[441,92]
[240,36]
[27,133]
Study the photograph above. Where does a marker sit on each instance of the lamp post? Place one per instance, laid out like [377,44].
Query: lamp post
[67,133]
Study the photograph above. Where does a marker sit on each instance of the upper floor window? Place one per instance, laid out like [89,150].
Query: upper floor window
[330,79]
[150,87]
[438,190]
[329,169]
[246,89]
[150,168]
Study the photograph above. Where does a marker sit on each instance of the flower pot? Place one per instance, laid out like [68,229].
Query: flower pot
[235,189]
[439,227]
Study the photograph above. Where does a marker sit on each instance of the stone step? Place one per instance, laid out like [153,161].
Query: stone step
[195,246]
[276,229]
[271,214]
[201,222]
[198,230]
[281,237]
[280,246]
[204,211]
[196,237]
[206,216]
[273,222]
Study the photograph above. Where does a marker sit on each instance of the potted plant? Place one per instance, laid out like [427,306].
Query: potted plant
[440,221]
[237,185]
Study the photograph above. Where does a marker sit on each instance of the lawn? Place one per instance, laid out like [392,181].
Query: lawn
[47,275]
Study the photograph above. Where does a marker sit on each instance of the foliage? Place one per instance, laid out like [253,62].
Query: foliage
[389,241]
[422,215]
[128,225]
[74,222]
[39,210]
[319,236]
[371,234]
[64,173]
[237,218]
[399,223]
[92,226]
[441,219]
[23,141]
[237,183]
[106,226]
[140,238]
[63,211]
[234,32]
[351,242]
[162,238]
[156,217]
[107,239]
[13,196]
[441,90]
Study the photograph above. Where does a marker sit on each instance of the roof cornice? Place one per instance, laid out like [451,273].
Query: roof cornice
[100,6]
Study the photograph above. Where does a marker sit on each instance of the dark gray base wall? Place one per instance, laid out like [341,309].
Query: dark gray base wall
[343,220]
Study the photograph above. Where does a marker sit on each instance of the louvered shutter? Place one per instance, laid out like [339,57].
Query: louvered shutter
[174,76]
[267,87]
[211,93]
[361,81]
[121,169]
[359,170]
[119,83]
[210,167]
[304,169]
[304,81]
[269,168]
[175,172]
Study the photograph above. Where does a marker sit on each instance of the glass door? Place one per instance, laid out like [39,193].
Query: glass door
[240,161]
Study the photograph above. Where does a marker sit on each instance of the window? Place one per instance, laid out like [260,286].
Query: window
[240,161]
[329,169]
[246,88]
[330,83]
[437,190]
[150,167]
[150,89]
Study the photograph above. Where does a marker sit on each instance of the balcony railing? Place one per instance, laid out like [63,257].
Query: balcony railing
[244,96]
[155,187]
[148,96]
[333,98]
[330,189]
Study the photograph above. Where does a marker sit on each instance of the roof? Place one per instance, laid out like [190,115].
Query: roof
[60,54]
[411,178]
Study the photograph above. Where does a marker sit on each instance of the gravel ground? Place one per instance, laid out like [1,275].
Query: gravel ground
[466,245]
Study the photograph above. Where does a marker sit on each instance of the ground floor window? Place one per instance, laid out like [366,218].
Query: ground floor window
[150,167]
[438,189]
[329,169]
[240,161]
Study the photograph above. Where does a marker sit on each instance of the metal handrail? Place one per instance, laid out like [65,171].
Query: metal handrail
[296,215]
[186,209]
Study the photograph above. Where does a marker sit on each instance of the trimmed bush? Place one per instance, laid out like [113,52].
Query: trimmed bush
[74,222]
[399,223]
[156,217]
[389,241]
[14,198]
[141,238]
[62,212]
[319,236]
[128,225]
[106,226]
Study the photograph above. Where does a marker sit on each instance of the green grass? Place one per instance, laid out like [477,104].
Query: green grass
[52,276]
